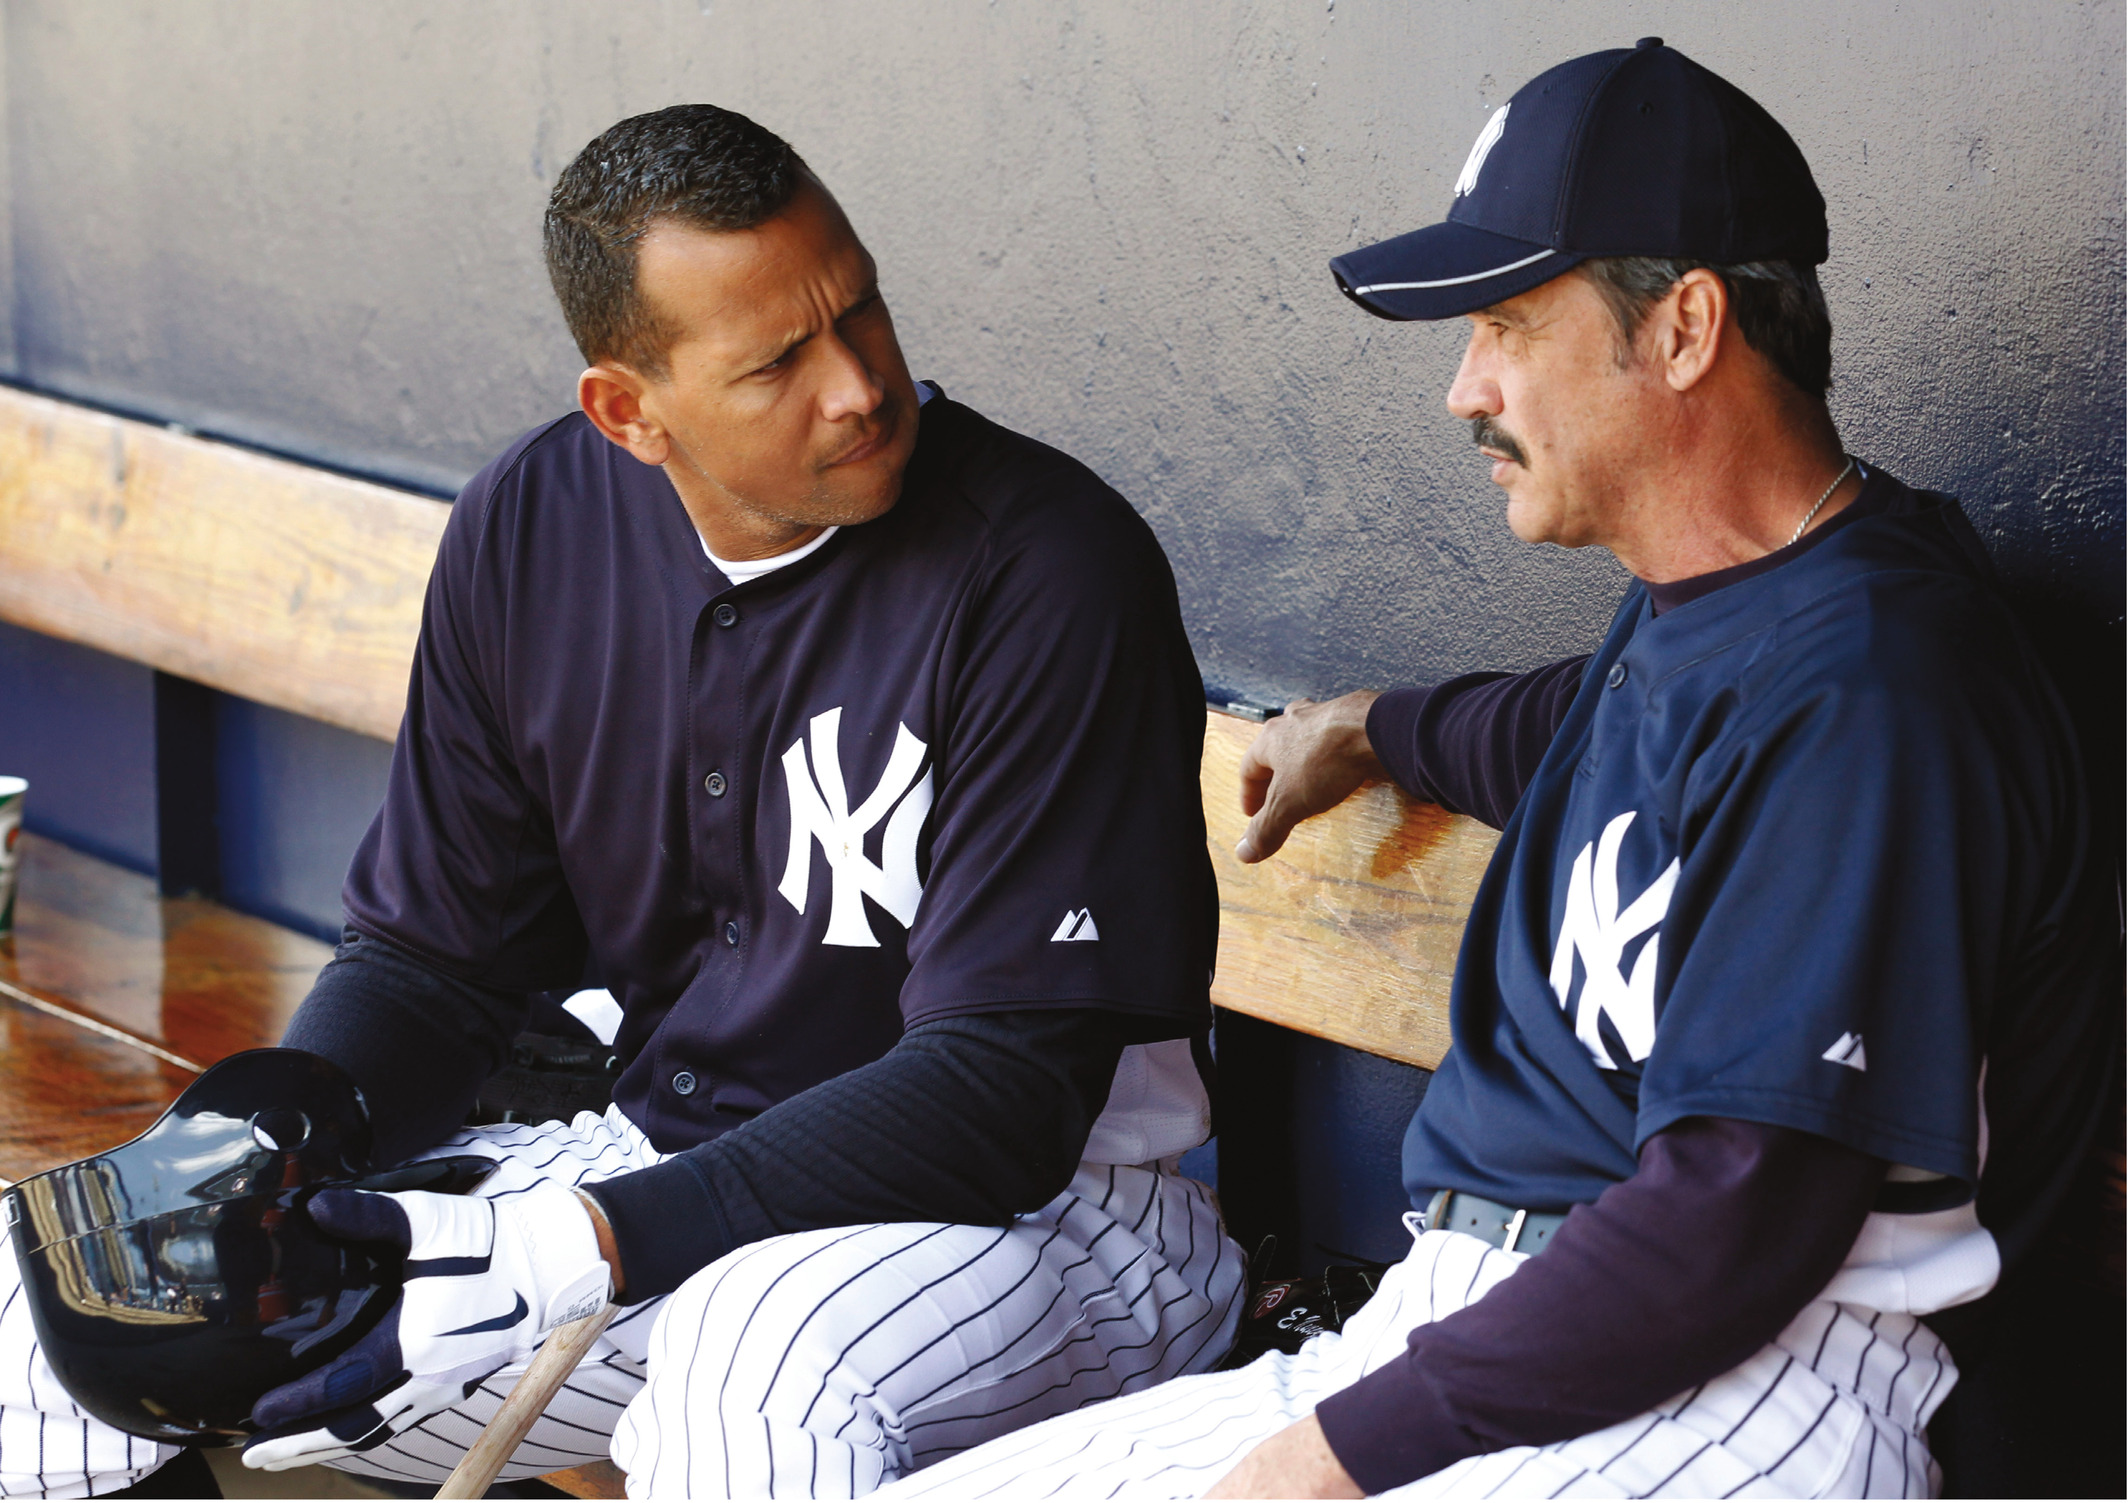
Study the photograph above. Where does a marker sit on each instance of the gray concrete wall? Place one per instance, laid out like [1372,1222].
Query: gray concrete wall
[314,227]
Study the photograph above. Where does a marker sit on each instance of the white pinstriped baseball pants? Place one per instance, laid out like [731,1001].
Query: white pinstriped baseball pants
[814,1365]
[1834,1408]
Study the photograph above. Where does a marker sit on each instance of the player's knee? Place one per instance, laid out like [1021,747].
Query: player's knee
[806,1320]
[763,1298]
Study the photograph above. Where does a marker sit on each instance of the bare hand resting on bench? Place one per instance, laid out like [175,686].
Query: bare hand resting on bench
[1306,762]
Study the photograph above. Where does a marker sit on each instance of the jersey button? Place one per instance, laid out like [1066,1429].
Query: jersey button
[683,1084]
[714,785]
[725,615]
[1616,676]
[731,934]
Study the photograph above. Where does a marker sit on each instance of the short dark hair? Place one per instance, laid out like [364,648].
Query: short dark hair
[1779,306]
[704,166]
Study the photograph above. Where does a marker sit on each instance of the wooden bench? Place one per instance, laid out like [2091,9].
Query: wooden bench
[302,589]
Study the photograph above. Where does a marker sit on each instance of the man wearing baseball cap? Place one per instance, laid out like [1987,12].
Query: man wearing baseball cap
[1782,1018]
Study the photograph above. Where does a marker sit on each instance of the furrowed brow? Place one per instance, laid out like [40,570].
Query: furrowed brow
[869,295]
[772,356]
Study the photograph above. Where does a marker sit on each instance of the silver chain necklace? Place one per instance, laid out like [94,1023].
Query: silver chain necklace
[1798,533]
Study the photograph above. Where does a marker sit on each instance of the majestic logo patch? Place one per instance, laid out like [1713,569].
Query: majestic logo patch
[1467,179]
[1847,1050]
[820,810]
[1598,932]
[1078,924]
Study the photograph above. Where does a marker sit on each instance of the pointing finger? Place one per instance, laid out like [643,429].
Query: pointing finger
[1266,833]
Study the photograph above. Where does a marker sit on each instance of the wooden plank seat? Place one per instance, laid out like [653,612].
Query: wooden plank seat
[302,590]
[114,998]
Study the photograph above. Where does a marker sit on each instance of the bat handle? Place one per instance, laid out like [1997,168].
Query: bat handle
[549,1369]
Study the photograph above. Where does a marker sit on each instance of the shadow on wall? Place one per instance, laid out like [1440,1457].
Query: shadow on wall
[80,725]
[2088,658]
[1311,1138]
[207,792]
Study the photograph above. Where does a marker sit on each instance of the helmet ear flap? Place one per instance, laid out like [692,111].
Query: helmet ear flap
[178,1277]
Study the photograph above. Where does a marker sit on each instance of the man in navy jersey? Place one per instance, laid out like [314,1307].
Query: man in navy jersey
[1786,1005]
[850,741]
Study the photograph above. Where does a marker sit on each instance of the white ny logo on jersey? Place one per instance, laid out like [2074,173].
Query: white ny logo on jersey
[1595,929]
[820,810]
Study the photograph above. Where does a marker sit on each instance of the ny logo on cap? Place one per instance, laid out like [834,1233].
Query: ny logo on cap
[1480,149]
[820,810]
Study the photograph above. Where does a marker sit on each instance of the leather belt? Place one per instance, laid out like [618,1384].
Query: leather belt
[1508,1228]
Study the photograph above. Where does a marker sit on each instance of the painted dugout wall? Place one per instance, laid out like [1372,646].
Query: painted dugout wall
[315,227]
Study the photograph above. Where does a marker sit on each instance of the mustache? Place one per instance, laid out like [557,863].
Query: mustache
[1487,434]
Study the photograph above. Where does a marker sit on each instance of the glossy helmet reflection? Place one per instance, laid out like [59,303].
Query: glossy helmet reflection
[175,1279]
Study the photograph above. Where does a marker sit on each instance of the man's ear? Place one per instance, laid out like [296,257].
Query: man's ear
[612,397]
[1687,328]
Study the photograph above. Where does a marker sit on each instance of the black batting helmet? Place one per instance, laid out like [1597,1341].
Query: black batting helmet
[175,1279]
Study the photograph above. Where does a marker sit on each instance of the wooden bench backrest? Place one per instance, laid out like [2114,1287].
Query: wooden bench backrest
[1351,931]
[275,581]
[302,589]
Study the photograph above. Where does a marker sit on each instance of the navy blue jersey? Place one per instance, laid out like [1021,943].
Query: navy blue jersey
[1805,851]
[945,764]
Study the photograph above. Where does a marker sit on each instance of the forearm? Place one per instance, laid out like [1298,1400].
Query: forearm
[1472,744]
[972,1120]
[1668,1280]
[419,1043]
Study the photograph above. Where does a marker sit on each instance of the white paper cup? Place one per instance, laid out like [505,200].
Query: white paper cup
[12,791]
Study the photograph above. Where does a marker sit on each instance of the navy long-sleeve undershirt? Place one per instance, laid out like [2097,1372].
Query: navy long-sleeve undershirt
[1669,1279]
[970,1119]
[1472,744]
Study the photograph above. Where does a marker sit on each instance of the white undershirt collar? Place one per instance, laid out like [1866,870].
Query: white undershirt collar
[741,570]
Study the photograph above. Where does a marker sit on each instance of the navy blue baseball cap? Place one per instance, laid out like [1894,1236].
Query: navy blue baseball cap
[1634,152]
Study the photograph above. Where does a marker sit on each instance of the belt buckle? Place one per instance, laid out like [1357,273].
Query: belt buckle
[1436,1219]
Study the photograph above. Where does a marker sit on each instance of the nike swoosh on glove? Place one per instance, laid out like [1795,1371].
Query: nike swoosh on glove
[485,1280]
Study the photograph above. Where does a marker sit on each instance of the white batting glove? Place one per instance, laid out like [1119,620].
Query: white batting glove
[485,1280]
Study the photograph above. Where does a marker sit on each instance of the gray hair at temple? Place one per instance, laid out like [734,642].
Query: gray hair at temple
[1779,307]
